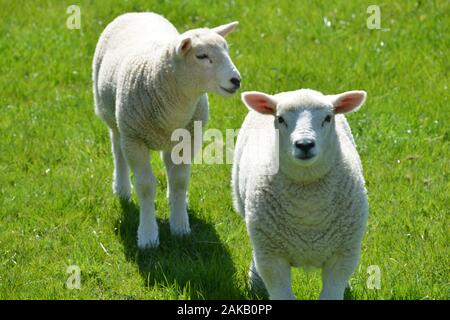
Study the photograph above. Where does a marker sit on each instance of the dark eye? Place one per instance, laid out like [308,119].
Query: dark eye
[281,119]
[327,119]
[202,56]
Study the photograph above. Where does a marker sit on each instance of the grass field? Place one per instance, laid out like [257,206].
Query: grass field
[56,204]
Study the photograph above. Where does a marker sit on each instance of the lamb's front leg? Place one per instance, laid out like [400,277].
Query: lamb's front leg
[137,156]
[178,180]
[276,275]
[336,275]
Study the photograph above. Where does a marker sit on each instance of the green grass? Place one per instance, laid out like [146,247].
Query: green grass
[56,204]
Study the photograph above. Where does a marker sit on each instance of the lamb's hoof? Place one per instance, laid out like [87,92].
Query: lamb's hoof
[124,194]
[148,243]
[124,197]
[180,229]
[147,240]
[256,285]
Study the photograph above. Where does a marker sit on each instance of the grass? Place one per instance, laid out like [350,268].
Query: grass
[56,204]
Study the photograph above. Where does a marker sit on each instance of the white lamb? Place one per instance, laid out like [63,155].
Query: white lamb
[312,212]
[148,81]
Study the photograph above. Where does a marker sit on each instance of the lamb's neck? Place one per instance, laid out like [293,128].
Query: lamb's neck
[177,100]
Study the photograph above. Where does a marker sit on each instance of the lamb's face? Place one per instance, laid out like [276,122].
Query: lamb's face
[212,64]
[305,129]
[205,52]
[305,120]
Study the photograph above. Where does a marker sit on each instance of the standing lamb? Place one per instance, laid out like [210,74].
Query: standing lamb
[313,210]
[148,81]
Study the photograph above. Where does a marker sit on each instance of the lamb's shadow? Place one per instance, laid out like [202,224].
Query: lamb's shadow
[349,294]
[198,263]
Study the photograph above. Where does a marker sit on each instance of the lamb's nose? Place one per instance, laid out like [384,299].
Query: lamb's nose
[236,82]
[305,145]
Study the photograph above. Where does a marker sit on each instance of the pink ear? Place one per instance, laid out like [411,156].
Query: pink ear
[225,29]
[348,101]
[260,102]
[183,46]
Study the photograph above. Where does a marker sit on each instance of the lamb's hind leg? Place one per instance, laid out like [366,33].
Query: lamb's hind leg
[137,156]
[178,180]
[255,281]
[121,176]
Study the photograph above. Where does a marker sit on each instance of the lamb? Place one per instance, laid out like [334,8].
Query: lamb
[149,80]
[313,210]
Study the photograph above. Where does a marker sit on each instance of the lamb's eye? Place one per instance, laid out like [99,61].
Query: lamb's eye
[280,119]
[327,119]
[202,56]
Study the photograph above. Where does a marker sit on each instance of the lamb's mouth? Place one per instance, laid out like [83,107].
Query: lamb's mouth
[307,156]
[230,91]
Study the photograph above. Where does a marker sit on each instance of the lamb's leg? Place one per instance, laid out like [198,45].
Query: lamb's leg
[255,281]
[137,156]
[335,277]
[121,176]
[178,180]
[276,275]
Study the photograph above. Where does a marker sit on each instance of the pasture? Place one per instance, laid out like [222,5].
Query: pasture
[56,204]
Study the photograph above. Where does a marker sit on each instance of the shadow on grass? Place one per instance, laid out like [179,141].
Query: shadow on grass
[198,264]
[348,294]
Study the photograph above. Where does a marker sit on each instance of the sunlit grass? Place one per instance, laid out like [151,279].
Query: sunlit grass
[57,208]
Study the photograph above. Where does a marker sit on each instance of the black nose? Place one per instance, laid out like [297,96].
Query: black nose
[236,82]
[305,145]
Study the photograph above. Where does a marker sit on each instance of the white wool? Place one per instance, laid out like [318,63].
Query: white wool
[136,87]
[149,81]
[309,216]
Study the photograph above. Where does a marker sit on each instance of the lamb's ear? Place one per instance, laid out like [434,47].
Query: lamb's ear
[184,45]
[348,101]
[225,29]
[260,102]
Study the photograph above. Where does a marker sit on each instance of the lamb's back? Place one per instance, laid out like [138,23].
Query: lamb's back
[126,37]
[131,33]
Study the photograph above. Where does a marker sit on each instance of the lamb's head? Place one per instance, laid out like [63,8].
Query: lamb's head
[305,120]
[204,54]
